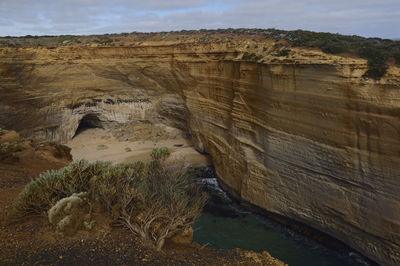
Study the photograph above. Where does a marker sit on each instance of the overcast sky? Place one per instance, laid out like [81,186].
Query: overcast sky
[371,18]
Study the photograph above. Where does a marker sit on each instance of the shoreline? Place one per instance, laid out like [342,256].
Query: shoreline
[296,226]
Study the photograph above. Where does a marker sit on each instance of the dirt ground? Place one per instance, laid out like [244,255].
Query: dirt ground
[34,241]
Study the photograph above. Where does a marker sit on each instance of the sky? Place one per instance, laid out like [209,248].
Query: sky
[369,18]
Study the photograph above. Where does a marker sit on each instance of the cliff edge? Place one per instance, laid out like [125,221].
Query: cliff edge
[294,130]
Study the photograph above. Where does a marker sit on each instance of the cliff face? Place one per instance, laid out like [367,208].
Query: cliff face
[303,135]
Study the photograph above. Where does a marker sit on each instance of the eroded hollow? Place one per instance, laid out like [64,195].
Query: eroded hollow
[87,122]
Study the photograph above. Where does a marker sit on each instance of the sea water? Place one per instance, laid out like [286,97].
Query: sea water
[224,224]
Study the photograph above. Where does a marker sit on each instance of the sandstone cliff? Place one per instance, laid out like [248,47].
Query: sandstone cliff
[303,135]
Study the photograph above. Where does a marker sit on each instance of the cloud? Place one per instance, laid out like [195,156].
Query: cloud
[362,17]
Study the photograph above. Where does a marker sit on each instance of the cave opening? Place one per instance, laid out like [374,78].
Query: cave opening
[87,122]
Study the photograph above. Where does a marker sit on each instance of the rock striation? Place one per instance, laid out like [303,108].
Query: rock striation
[302,135]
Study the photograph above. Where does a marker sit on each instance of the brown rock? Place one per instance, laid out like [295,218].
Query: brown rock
[8,136]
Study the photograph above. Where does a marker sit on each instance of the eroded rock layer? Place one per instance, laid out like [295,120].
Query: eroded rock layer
[302,135]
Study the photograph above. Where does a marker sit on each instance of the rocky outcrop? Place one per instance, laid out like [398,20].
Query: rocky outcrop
[302,135]
[18,151]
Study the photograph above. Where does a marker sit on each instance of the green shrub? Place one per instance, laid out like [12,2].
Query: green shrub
[376,71]
[10,147]
[375,50]
[160,153]
[376,62]
[283,52]
[51,186]
[152,200]
[396,57]
[251,56]
[117,182]
[7,150]
[332,48]
[248,56]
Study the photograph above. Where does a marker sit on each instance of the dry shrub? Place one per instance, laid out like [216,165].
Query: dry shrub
[7,150]
[71,214]
[153,200]
[170,202]
[51,186]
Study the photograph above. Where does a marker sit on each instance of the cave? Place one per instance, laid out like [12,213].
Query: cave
[88,121]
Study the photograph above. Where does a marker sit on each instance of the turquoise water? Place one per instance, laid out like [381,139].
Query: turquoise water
[224,224]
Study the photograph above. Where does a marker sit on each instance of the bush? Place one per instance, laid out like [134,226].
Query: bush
[248,56]
[396,57]
[376,62]
[375,50]
[71,213]
[160,153]
[283,52]
[7,150]
[169,203]
[117,186]
[51,186]
[10,147]
[251,56]
[332,48]
[153,200]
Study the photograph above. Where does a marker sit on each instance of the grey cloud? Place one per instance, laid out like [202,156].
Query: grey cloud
[130,4]
[362,17]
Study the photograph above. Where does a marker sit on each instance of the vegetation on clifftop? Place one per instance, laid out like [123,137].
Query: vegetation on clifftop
[153,200]
[377,51]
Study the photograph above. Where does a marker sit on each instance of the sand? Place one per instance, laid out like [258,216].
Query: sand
[99,144]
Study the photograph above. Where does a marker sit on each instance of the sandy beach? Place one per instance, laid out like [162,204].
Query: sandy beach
[99,144]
